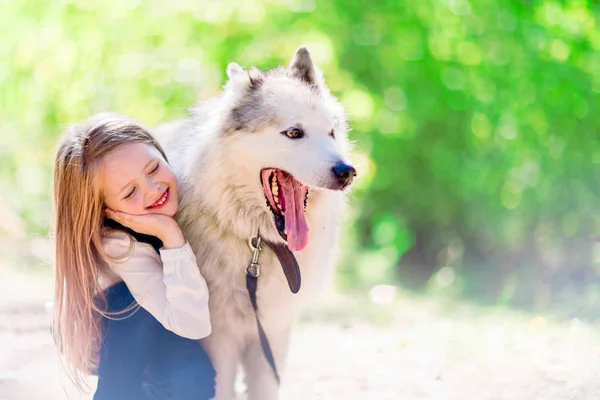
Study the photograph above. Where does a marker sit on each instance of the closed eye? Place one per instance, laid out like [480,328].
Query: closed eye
[130,194]
[155,169]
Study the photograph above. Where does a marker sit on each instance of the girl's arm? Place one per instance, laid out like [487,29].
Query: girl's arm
[169,286]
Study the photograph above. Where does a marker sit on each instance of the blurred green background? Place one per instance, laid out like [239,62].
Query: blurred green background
[475,124]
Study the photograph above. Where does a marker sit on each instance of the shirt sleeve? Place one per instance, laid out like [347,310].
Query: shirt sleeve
[169,286]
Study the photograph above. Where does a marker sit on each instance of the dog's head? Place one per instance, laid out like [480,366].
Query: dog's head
[289,133]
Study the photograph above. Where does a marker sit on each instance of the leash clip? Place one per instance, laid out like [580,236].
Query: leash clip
[253,272]
[253,269]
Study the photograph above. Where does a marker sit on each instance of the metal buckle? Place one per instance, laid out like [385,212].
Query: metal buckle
[253,269]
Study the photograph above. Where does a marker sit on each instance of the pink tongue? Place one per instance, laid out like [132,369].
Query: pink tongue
[295,221]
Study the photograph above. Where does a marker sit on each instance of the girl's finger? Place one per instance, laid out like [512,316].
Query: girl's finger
[118,216]
[129,218]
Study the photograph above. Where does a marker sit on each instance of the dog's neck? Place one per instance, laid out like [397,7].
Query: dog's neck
[213,193]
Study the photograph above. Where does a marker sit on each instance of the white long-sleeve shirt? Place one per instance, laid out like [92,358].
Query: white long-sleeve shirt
[169,286]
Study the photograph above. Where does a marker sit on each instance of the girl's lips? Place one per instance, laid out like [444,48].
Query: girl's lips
[162,201]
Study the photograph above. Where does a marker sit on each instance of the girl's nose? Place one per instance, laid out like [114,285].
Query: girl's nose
[153,190]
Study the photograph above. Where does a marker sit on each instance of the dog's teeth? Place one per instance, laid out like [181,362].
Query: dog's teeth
[305,201]
[275,190]
[276,199]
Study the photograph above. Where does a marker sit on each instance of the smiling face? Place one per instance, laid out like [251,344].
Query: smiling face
[137,180]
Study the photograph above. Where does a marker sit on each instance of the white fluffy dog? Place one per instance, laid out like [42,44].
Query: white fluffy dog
[268,156]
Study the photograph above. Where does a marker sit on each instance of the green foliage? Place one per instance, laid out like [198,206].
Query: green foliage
[477,138]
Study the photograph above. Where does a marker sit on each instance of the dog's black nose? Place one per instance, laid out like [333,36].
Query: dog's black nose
[344,173]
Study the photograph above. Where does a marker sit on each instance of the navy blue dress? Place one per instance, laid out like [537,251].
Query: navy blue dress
[140,359]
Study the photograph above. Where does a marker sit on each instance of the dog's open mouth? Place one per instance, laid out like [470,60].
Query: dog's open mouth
[286,197]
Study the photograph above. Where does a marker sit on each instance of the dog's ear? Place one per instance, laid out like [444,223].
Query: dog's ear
[233,70]
[302,67]
[240,80]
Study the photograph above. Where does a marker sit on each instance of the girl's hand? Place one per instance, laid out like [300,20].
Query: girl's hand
[162,226]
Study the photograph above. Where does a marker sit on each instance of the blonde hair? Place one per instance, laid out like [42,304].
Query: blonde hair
[78,225]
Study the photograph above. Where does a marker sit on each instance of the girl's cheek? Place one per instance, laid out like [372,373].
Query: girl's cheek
[140,203]
[170,177]
[134,206]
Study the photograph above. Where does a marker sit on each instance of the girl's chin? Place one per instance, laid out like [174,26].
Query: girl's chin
[168,211]
[171,213]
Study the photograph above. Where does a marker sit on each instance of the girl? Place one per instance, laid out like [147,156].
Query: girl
[119,248]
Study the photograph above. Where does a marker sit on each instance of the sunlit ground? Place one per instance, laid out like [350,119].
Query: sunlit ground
[384,345]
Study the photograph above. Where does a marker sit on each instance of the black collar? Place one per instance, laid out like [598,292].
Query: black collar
[140,237]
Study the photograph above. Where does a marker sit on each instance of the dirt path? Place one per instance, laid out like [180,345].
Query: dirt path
[351,349]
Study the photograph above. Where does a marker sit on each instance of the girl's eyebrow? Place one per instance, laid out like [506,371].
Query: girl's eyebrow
[130,182]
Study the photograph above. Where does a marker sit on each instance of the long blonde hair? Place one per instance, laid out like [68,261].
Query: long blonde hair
[78,226]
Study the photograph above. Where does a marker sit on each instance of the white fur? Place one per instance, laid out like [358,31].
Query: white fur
[223,206]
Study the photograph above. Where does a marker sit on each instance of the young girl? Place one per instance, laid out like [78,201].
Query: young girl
[119,248]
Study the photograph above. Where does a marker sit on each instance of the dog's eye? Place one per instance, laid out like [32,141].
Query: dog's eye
[332,133]
[293,133]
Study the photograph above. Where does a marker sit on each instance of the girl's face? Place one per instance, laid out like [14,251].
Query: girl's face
[137,180]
